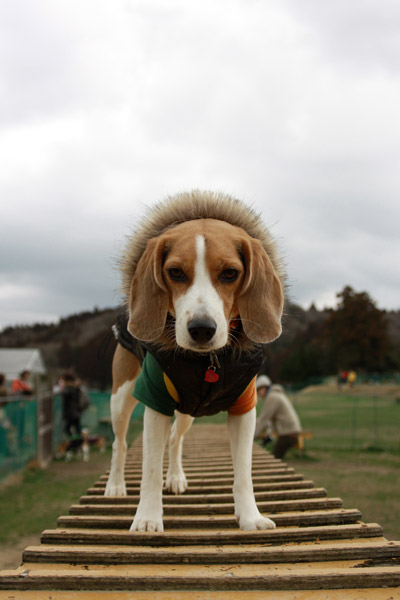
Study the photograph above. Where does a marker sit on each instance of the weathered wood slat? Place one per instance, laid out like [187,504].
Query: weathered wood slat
[223,489]
[176,537]
[221,469]
[260,554]
[288,519]
[204,464]
[388,593]
[217,577]
[188,498]
[222,498]
[284,483]
[298,518]
[226,479]
[265,507]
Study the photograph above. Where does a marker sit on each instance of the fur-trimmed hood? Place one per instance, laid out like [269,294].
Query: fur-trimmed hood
[189,206]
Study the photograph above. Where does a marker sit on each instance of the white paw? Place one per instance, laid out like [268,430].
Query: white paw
[176,482]
[115,488]
[253,522]
[150,521]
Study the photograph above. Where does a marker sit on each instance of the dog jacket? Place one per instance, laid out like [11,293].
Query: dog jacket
[176,380]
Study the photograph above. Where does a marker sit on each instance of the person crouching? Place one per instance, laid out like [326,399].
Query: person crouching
[277,415]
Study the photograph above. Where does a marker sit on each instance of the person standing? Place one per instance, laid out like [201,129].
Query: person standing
[3,387]
[351,378]
[71,406]
[277,414]
[3,391]
[21,385]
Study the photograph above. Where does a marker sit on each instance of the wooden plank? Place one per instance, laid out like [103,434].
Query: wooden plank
[212,488]
[260,554]
[269,507]
[221,471]
[211,481]
[188,498]
[282,519]
[176,537]
[225,489]
[341,594]
[205,463]
[216,456]
[186,577]
[216,459]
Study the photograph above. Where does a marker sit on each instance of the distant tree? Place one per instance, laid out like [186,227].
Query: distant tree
[68,355]
[94,365]
[357,333]
[307,357]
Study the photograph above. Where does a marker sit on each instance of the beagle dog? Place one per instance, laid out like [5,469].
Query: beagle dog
[204,293]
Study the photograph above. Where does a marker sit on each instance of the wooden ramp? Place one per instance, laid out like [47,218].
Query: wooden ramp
[318,550]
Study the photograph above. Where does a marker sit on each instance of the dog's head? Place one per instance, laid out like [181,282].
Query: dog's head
[204,273]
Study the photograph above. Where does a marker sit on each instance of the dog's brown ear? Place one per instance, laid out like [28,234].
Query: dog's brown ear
[148,298]
[261,299]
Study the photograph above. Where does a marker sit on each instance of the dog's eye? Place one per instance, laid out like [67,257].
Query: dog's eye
[177,274]
[229,275]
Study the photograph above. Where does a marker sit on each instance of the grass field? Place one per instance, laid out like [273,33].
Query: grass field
[355,450]
[354,454]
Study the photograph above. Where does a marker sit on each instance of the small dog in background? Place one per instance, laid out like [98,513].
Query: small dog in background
[79,446]
[204,292]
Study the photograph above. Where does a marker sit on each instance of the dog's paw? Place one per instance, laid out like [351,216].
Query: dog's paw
[115,488]
[176,482]
[253,522]
[147,522]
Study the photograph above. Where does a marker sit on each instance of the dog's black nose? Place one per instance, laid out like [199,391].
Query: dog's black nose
[202,329]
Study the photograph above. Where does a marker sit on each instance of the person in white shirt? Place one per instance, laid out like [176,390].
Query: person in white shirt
[277,415]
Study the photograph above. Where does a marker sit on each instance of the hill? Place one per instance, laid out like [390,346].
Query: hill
[84,342]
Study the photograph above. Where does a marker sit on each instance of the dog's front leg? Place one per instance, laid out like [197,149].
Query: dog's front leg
[126,368]
[241,432]
[122,405]
[176,481]
[149,511]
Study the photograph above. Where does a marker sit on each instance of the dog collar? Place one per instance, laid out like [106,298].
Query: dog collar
[211,375]
[235,322]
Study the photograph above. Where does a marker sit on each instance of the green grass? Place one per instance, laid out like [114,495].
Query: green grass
[40,496]
[348,423]
[354,453]
[34,504]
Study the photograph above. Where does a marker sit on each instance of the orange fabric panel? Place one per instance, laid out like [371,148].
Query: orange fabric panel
[246,401]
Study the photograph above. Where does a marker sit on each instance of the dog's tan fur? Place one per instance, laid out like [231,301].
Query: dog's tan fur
[190,206]
[125,367]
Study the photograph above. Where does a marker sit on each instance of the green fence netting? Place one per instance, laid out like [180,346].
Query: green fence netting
[18,435]
[19,431]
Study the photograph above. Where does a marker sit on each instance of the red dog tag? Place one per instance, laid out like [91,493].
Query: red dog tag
[211,376]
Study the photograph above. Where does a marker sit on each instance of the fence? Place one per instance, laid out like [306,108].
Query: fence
[33,429]
[18,435]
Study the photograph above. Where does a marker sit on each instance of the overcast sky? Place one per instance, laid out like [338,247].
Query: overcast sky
[106,107]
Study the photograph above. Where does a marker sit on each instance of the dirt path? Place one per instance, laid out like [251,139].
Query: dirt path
[11,555]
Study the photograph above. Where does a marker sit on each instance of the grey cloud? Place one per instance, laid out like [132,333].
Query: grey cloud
[113,111]
[362,34]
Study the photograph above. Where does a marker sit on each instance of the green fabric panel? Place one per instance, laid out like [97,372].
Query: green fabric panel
[150,387]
